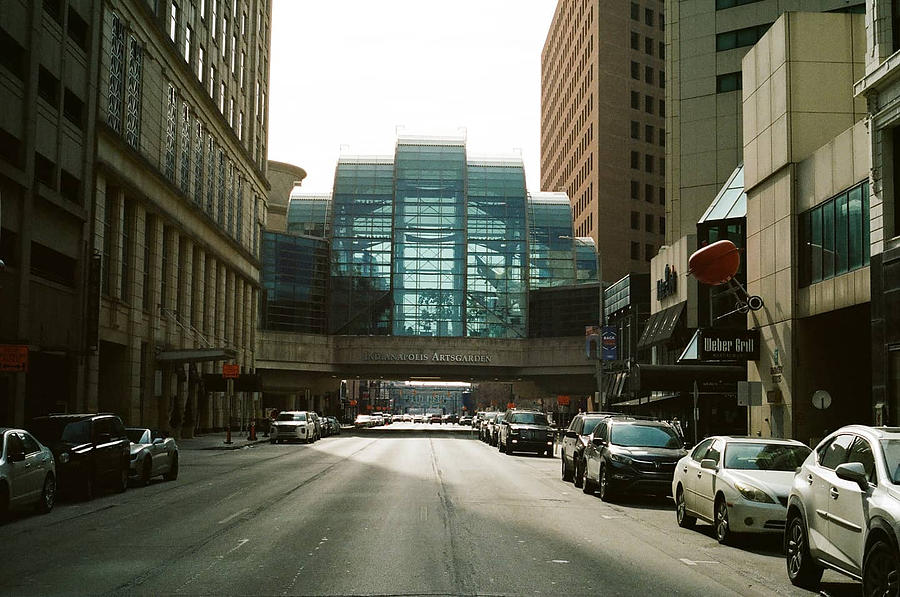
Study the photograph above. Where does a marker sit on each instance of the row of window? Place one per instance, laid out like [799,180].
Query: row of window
[648,74]
[76,27]
[834,236]
[723,4]
[651,133]
[650,192]
[649,44]
[649,221]
[649,103]
[649,251]
[648,16]
[740,38]
[649,163]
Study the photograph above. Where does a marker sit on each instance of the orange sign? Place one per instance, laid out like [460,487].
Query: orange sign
[14,357]
[510,405]
[353,403]
[231,371]
[562,400]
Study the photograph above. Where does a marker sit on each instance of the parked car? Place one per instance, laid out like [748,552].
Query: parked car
[152,454]
[89,450]
[574,440]
[435,418]
[362,421]
[27,472]
[465,420]
[627,455]
[493,431]
[418,418]
[844,510]
[317,423]
[333,425]
[451,419]
[525,431]
[738,484]
[291,425]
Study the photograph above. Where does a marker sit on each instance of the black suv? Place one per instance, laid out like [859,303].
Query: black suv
[574,440]
[628,455]
[525,431]
[89,449]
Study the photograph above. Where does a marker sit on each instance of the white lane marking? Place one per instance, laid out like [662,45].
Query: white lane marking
[233,516]
[610,517]
[560,561]
[695,562]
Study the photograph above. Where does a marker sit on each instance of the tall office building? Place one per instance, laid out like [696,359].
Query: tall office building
[602,125]
[705,43]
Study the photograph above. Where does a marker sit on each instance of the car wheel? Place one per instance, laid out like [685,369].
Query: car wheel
[722,528]
[310,439]
[172,473]
[587,486]
[122,481]
[606,492]
[685,520]
[48,495]
[567,473]
[880,570]
[578,477]
[499,446]
[803,571]
[146,472]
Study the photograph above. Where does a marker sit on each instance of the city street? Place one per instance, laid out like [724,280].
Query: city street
[376,513]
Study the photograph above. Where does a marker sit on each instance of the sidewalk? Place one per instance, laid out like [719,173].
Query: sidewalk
[216,441]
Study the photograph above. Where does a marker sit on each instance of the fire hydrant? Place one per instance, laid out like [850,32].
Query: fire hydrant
[252,436]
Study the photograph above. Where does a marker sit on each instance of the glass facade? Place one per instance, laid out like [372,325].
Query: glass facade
[433,243]
[294,283]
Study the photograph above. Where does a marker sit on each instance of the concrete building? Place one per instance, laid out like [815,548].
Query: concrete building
[283,178]
[705,43]
[48,75]
[603,136]
[880,86]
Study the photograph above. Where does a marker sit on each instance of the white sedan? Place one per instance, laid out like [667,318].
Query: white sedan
[738,484]
[152,455]
[27,472]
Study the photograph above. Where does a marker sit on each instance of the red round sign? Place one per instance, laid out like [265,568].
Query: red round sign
[716,263]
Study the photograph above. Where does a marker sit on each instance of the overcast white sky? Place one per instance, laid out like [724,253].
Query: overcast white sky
[349,72]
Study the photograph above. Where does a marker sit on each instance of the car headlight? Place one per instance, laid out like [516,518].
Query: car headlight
[753,493]
[620,458]
[64,458]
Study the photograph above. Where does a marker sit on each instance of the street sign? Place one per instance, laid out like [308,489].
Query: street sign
[231,371]
[14,357]
[510,405]
[563,400]
[609,343]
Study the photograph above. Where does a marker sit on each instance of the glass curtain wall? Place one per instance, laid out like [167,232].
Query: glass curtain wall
[361,247]
[552,250]
[496,291]
[585,260]
[429,239]
[309,214]
[294,283]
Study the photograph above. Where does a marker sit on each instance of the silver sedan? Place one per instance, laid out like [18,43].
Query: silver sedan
[152,455]
[27,472]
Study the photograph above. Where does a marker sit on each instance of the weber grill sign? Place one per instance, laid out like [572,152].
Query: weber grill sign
[729,345]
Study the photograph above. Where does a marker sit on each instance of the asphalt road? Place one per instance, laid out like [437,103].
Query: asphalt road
[376,514]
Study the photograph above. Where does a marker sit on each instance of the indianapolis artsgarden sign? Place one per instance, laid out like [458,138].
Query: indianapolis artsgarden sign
[427,357]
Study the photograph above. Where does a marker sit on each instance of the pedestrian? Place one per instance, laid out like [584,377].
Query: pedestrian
[677,425]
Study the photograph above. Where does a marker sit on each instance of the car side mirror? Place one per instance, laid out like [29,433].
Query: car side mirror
[571,433]
[853,471]
[158,440]
[16,456]
[598,441]
[708,464]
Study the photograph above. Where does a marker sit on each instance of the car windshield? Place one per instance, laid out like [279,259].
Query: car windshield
[135,435]
[764,457]
[590,425]
[291,417]
[891,449]
[631,435]
[54,430]
[529,418]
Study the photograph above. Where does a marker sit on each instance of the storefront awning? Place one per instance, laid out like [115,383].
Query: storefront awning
[681,378]
[661,325]
[196,355]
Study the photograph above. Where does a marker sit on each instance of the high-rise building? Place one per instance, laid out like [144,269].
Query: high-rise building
[603,131]
[705,42]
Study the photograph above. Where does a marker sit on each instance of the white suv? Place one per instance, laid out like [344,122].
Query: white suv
[844,508]
[293,425]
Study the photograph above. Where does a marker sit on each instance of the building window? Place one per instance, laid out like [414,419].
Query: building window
[164,268]
[222,93]
[171,132]
[173,22]
[662,224]
[635,41]
[648,133]
[127,222]
[740,38]
[635,189]
[233,53]
[210,175]
[648,163]
[635,250]
[185,148]
[78,30]
[648,104]
[648,75]
[45,170]
[635,130]
[635,220]
[662,79]
[834,236]
[662,195]
[243,62]
[635,160]
[69,186]
[635,11]
[649,250]
[73,108]
[635,70]
[134,95]
[649,193]
[662,50]
[12,55]
[106,263]
[239,225]
[48,87]
[662,165]
[635,100]
[220,203]
[212,81]
[729,82]
[648,17]
[648,222]
[187,44]
[148,238]
[648,46]
[198,162]
[723,4]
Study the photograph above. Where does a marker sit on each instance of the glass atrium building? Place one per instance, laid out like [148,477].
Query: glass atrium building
[432,242]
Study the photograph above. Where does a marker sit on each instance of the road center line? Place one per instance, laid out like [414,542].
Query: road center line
[233,516]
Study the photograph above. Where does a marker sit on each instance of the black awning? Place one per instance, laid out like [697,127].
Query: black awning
[681,378]
[196,355]
[661,325]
